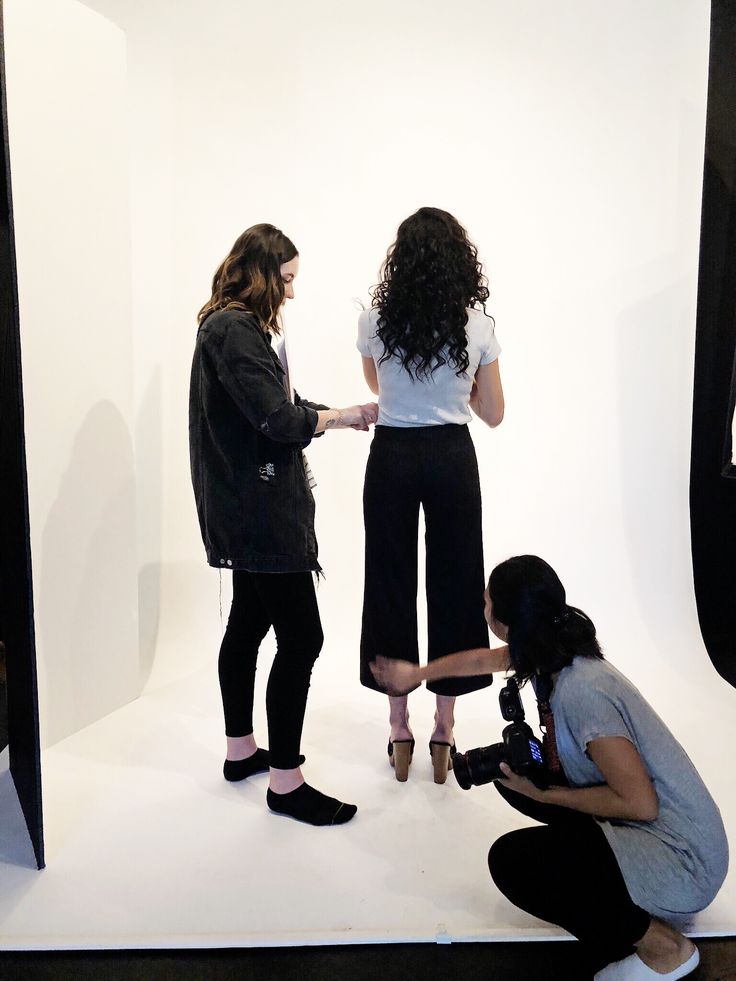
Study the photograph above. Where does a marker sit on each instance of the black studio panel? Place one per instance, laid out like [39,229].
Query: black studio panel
[712,473]
[16,590]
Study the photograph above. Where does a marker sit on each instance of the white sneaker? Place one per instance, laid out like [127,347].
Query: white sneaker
[633,968]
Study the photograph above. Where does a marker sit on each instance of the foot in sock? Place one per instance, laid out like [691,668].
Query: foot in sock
[310,806]
[258,762]
[240,769]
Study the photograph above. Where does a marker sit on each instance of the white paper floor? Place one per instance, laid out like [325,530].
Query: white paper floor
[147,845]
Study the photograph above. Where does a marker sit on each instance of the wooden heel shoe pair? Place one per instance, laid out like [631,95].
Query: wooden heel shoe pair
[401,752]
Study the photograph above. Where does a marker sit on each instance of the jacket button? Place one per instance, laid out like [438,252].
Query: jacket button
[222,562]
[229,561]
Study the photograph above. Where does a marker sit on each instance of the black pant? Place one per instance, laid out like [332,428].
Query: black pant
[566,873]
[433,467]
[287,602]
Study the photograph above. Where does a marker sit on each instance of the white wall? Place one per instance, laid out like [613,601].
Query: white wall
[568,137]
[67,122]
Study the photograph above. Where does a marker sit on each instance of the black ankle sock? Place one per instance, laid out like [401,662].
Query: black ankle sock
[240,769]
[257,763]
[309,805]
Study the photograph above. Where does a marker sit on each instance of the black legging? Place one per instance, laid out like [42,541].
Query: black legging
[566,873]
[285,601]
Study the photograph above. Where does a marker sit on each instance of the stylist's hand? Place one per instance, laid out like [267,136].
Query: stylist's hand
[395,677]
[521,785]
[355,417]
[369,415]
[370,412]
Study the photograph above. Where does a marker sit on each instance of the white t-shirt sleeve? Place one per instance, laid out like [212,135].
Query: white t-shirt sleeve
[365,329]
[489,346]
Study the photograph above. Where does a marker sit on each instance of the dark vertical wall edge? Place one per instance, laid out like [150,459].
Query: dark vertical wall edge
[16,584]
[712,480]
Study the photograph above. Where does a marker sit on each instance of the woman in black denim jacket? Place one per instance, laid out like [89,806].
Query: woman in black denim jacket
[256,511]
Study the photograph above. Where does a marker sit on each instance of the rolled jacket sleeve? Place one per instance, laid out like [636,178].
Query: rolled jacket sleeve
[317,406]
[246,368]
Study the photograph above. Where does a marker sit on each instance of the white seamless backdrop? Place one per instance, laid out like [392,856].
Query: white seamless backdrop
[568,137]
[67,123]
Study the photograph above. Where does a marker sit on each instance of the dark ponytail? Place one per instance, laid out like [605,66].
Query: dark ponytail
[545,634]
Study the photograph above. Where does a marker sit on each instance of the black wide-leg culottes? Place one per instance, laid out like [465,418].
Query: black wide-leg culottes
[435,468]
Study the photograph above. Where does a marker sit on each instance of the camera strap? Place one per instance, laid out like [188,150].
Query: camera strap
[543,691]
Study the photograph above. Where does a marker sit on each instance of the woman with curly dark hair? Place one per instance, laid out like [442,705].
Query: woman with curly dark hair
[430,354]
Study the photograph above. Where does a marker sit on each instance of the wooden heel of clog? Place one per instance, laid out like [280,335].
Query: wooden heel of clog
[442,754]
[400,753]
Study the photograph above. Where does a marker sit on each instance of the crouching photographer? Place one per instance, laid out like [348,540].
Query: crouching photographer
[633,842]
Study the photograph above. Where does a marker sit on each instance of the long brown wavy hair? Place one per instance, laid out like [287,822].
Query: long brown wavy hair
[249,278]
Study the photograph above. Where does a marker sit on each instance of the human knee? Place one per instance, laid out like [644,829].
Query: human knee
[313,644]
[300,649]
[502,860]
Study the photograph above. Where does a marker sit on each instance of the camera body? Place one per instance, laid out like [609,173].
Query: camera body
[520,748]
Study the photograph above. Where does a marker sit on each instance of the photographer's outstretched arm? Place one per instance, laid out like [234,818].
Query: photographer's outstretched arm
[627,794]
[399,677]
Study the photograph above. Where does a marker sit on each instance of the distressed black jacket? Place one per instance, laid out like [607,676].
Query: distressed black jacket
[246,437]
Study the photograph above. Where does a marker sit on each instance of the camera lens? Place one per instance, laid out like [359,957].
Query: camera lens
[479,766]
[461,771]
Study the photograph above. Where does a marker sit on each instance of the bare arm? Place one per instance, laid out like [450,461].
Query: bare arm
[370,374]
[399,677]
[486,399]
[627,794]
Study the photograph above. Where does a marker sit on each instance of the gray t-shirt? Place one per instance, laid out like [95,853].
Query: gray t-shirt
[674,865]
[406,401]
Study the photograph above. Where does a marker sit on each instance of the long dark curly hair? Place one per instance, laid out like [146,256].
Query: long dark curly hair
[545,634]
[249,278]
[430,276]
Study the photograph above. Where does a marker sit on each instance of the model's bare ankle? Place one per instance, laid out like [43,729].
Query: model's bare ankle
[444,719]
[240,747]
[398,718]
[284,781]
[663,949]
[441,733]
[400,730]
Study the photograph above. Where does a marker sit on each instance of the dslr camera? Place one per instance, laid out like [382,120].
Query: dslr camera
[520,748]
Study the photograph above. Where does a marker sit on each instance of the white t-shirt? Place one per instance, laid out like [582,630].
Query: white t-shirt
[443,397]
